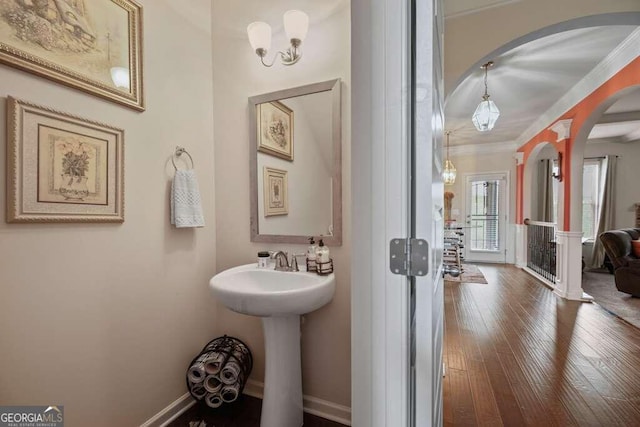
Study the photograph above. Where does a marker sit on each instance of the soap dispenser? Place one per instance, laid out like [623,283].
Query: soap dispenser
[311,255]
[322,253]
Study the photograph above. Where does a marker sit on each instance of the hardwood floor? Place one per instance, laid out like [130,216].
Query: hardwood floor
[245,412]
[517,355]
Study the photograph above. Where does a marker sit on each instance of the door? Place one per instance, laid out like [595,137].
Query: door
[486,217]
[396,162]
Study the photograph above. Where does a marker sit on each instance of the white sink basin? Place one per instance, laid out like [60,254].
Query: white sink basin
[255,291]
[279,297]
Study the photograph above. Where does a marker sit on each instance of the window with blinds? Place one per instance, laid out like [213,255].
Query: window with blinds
[484,218]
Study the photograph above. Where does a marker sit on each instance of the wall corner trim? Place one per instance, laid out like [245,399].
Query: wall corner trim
[311,405]
[169,414]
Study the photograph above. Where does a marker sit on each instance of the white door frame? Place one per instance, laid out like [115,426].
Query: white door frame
[380,192]
[507,209]
[379,212]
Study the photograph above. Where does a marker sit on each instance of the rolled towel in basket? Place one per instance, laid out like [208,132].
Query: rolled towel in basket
[230,393]
[198,391]
[213,400]
[196,371]
[231,373]
[212,384]
[214,363]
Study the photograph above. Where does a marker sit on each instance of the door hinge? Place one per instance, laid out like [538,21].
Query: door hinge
[409,257]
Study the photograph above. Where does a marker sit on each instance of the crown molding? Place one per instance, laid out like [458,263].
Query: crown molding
[562,128]
[489,147]
[473,10]
[619,57]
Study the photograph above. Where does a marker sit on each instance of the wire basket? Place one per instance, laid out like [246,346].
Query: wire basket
[220,371]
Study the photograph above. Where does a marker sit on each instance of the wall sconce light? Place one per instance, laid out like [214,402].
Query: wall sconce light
[449,173]
[120,77]
[557,169]
[487,113]
[296,24]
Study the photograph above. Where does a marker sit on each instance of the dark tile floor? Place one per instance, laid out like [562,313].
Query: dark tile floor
[245,412]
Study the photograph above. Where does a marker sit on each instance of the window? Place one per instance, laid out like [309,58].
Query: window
[591,190]
[590,198]
[485,199]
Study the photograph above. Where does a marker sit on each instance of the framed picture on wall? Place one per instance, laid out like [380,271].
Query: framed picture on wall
[62,168]
[275,129]
[276,192]
[93,45]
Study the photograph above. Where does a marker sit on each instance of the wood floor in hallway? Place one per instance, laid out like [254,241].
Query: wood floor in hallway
[517,355]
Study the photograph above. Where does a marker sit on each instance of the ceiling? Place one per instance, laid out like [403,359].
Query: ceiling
[527,80]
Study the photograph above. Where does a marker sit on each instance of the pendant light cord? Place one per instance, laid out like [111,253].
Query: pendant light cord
[486,86]
[448,133]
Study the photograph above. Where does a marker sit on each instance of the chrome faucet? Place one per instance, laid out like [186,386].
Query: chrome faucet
[282,263]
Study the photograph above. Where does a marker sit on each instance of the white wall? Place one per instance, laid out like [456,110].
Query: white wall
[104,319]
[238,75]
[473,163]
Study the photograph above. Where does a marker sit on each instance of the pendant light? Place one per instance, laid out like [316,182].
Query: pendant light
[485,116]
[449,173]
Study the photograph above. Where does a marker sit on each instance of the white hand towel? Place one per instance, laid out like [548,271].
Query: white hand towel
[186,206]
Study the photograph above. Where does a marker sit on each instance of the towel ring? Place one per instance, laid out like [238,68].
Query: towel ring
[179,152]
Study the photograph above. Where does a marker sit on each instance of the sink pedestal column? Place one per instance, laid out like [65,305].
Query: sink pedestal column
[282,400]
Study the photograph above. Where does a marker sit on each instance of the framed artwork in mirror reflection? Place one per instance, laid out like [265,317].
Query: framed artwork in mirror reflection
[275,129]
[62,168]
[275,192]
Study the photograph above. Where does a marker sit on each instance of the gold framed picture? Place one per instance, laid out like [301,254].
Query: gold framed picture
[275,192]
[62,168]
[92,45]
[275,129]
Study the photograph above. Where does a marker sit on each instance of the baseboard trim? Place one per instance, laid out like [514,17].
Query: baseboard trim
[544,281]
[171,412]
[312,405]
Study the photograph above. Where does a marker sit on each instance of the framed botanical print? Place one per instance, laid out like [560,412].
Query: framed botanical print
[62,168]
[275,192]
[93,45]
[275,129]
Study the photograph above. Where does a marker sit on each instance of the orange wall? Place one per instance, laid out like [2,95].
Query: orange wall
[626,77]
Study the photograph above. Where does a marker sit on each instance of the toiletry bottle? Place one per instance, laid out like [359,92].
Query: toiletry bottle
[263,259]
[322,253]
[311,255]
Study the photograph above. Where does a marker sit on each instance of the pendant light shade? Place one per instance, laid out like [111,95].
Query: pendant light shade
[487,113]
[449,172]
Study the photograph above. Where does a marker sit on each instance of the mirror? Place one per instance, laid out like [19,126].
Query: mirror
[296,164]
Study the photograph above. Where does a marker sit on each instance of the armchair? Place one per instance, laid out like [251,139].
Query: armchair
[617,245]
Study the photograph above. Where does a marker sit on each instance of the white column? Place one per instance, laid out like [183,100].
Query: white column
[521,245]
[569,265]
[282,401]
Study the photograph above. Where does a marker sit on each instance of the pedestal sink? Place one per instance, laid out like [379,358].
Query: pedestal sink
[279,297]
